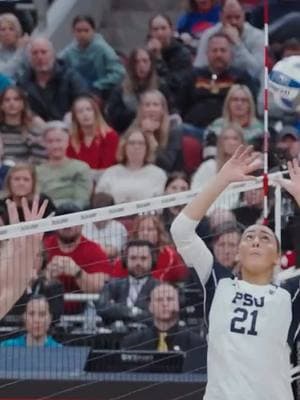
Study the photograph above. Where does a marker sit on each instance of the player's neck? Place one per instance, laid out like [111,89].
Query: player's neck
[257,279]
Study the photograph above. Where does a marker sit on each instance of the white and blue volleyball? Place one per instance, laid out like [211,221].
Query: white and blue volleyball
[284,84]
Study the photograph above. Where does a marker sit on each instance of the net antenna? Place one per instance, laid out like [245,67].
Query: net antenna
[266,113]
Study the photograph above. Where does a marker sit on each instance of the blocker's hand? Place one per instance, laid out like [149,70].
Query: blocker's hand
[240,166]
[292,185]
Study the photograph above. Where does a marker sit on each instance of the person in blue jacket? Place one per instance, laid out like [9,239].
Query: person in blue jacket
[202,14]
[37,321]
[92,57]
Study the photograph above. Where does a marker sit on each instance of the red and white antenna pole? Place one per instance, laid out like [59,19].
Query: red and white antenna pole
[266,112]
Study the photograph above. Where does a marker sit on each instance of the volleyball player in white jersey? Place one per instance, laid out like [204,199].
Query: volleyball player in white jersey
[252,323]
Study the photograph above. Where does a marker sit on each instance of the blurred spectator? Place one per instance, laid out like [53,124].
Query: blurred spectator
[201,15]
[37,321]
[239,108]
[127,299]
[173,59]
[169,265]
[204,92]
[165,334]
[50,84]
[110,234]
[21,181]
[61,178]
[277,10]
[246,41]
[141,76]
[21,131]
[250,211]
[135,177]
[155,121]
[93,58]
[92,140]
[221,216]
[12,45]
[291,47]
[26,17]
[231,137]
[5,82]
[288,144]
[226,239]
[79,263]
[4,167]
[178,181]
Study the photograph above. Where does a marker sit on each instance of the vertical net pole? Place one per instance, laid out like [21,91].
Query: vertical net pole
[266,113]
[277,215]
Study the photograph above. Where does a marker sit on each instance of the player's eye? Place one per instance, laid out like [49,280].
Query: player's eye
[249,236]
[265,238]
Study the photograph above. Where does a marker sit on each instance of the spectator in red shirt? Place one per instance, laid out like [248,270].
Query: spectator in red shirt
[79,263]
[92,139]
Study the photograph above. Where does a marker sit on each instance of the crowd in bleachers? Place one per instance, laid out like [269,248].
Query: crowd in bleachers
[85,129]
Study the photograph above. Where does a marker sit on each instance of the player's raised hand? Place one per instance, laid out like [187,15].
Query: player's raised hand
[241,165]
[292,185]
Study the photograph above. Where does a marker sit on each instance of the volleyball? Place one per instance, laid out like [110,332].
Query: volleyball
[284,83]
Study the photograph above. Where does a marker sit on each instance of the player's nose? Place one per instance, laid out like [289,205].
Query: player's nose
[255,241]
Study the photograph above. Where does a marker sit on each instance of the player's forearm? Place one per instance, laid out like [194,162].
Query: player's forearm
[191,247]
[198,207]
[15,275]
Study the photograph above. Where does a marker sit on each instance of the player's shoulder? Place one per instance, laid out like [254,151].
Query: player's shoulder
[292,286]
[218,273]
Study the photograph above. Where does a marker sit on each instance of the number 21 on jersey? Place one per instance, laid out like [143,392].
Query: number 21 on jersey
[244,320]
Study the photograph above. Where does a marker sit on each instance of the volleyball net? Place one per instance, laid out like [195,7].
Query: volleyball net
[88,324]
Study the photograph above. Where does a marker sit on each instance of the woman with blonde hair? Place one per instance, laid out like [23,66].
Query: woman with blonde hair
[155,121]
[135,177]
[92,140]
[239,108]
[169,265]
[12,43]
[230,138]
[21,182]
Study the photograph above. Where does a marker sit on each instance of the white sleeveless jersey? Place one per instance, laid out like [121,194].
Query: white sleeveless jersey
[248,350]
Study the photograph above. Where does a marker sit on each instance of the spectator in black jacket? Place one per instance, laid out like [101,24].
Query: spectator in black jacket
[204,93]
[165,334]
[174,60]
[127,299]
[51,86]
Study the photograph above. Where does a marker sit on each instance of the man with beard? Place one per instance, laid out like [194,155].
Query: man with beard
[79,263]
[203,94]
[127,299]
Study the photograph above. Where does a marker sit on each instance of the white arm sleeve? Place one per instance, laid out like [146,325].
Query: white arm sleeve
[191,247]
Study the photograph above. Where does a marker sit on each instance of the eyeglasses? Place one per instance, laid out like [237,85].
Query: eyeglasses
[241,99]
[136,142]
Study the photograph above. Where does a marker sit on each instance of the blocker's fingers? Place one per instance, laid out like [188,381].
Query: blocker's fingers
[239,151]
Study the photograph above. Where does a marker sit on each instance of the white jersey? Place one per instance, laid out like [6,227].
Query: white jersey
[251,327]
